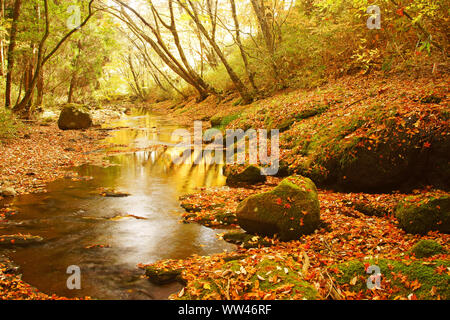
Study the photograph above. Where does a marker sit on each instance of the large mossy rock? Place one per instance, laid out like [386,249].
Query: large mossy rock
[74,117]
[250,175]
[400,161]
[289,210]
[374,150]
[421,214]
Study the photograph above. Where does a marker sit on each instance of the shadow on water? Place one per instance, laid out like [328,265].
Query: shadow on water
[73,216]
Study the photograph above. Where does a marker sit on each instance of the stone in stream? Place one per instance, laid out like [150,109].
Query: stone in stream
[18,240]
[113,194]
[8,267]
[163,276]
[290,210]
[8,192]
[74,117]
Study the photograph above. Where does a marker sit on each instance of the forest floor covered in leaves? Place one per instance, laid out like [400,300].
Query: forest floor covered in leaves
[358,229]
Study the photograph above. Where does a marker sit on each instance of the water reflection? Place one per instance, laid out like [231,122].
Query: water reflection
[73,216]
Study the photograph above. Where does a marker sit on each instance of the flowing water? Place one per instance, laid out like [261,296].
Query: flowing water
[72,216]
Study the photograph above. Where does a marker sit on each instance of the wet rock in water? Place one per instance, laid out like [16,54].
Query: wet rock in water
[250,175]
[8,192]
[8,267]
[289,210]
[421,214]
[18,240]
[426,248]
[114,194]
[74,117]
[163,276]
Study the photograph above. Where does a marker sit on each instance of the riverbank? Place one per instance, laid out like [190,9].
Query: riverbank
[38,154]
[319,129]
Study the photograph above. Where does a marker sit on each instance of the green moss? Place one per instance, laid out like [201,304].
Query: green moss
[225,217]
[391,272]
[237,102]
[163,276]
[251,174]
[265,269]
[289,210]
[426,248]
[291,277]
[221,121]
[308,113]
[419,214]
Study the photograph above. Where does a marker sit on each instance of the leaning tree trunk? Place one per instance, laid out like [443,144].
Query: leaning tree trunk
[240,87]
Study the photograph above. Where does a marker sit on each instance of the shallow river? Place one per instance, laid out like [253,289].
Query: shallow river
[73,215]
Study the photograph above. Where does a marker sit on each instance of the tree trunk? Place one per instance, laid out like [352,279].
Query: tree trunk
[41,59]
[259,9]
[240,87]
[250,74]
[71,87]
[12,45]
[40,88]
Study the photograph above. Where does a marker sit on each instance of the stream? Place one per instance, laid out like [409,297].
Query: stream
[141,228]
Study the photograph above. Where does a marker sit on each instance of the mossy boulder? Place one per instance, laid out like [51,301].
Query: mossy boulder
[396,277]
[250,175]
[426,248]
[74,117]
[421,214]
[163,276]
[290,210]
[373,150]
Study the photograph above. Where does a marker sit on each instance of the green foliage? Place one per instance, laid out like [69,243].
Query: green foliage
[8,124]
[392,273]
[221,121]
